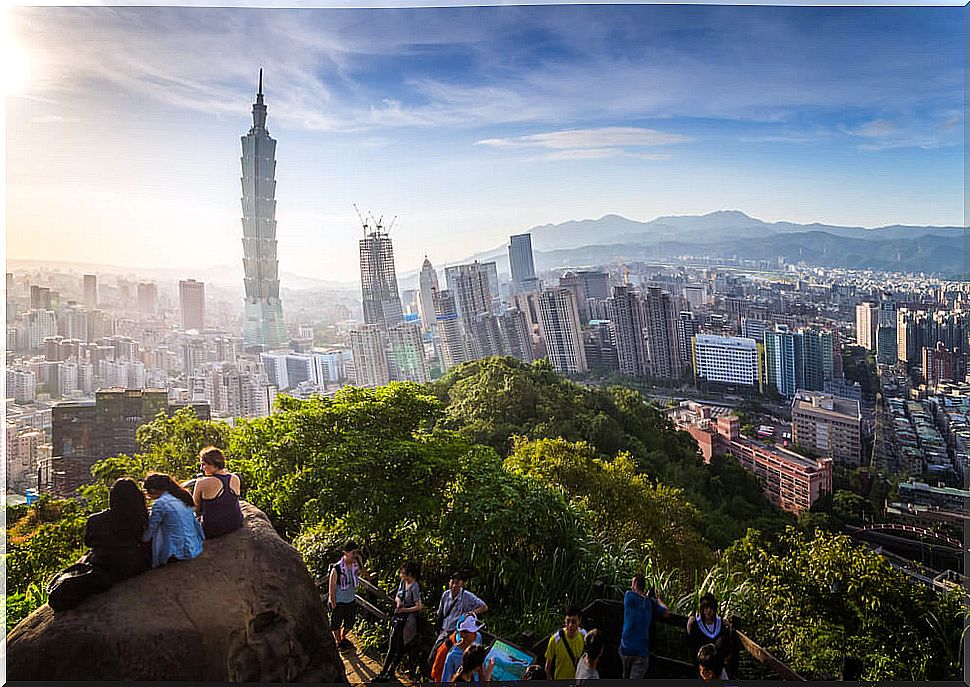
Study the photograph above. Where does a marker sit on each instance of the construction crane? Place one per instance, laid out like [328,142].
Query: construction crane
[363,222]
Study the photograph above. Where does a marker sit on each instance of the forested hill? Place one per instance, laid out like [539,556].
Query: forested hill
[542,490]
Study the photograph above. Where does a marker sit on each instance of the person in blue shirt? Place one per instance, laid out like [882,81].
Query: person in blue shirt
[468,630]
[638,613]
[174,532]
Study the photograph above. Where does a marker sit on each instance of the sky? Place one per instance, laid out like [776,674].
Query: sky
[468,124]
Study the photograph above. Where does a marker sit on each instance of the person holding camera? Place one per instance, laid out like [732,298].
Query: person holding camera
[639,610]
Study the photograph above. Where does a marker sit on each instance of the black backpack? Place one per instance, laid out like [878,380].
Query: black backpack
[74,584]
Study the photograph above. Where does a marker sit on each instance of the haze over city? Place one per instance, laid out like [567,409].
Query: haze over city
[470,124]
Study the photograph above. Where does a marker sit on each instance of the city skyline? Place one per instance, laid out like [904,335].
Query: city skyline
[454,122]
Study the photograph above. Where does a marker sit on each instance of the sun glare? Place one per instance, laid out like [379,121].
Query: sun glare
[16,67]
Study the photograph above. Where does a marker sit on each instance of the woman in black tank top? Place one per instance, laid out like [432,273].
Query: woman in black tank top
[220,513]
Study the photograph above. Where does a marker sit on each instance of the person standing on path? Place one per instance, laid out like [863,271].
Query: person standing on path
[456,601]
[344,577]
[566,646]
[639,610]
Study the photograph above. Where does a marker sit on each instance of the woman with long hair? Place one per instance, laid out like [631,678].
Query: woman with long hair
[404,622]
[115,535]
[216,495]
[174,532]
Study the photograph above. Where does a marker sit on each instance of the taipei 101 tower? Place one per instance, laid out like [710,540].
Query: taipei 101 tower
[263,325]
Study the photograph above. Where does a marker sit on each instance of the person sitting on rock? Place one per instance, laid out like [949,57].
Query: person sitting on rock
[174,532]
[216,495]
[115,535]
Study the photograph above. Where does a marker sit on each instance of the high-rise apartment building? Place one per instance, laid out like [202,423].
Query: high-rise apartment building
[559,326]
[940,364]
[90,291]
[263,324]
[192,304]
[428,283]
[686,330]
[369,347]
[147,298]
[521,261]
[886,343]
[406,359]
[828,425]
[867,324]
[517,334]
[454,350]
[626,312]
[378,279]
[663,352]
[784,363]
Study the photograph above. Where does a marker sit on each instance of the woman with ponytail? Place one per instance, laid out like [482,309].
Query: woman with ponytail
[172,528]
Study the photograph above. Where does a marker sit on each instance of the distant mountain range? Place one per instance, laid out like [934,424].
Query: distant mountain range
[730,233]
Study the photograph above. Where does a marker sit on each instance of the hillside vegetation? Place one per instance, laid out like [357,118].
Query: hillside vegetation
[544,491]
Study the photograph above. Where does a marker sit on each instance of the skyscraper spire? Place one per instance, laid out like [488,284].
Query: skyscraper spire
[259,109]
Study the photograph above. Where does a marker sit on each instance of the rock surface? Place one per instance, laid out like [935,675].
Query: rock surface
[245,610]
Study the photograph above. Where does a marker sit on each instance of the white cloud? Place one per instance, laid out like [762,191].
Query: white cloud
[608,137]
[877,128]
[588,144]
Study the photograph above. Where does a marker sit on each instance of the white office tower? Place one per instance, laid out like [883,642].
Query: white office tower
[369,347]
[866,325]
[727,360]
[560,330]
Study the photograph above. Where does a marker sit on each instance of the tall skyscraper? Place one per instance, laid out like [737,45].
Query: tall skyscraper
[192,304]
[686,330]
[378,280]
[470,285]
[661,320]
[886,343]
[147,298]
[866,325]
[626,312]
[428,282]
[90,291]
[263,325]
[784,363]
[560,329]
[520,259]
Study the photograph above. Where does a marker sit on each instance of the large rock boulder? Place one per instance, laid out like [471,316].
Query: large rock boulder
[245,610]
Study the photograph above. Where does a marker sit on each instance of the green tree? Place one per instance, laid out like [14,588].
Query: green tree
[813,598]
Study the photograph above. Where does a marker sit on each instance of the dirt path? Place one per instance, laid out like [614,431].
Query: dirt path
[361,668]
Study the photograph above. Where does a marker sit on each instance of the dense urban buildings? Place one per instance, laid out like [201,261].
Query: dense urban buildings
[263,325]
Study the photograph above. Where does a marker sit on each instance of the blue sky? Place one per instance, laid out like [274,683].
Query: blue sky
[470,124]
